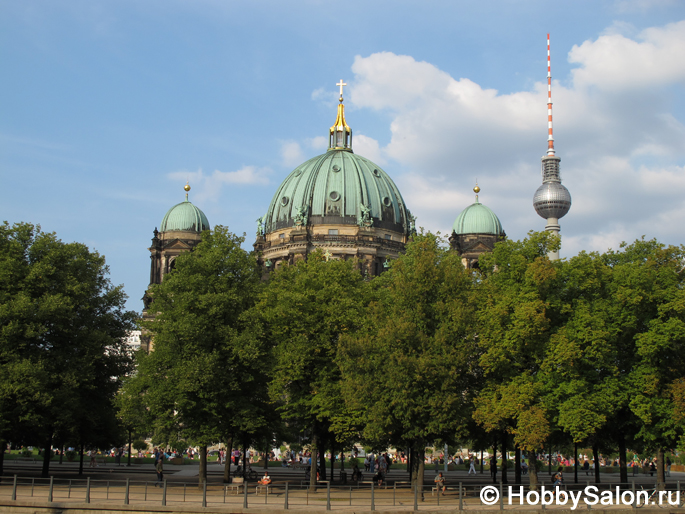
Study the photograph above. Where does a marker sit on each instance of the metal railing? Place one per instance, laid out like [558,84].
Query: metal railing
[362,495]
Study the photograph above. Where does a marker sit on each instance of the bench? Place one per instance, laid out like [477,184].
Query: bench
[318,482]
[260,486]
[237,484]
[384,484]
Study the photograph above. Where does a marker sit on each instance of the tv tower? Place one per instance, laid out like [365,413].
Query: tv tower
[552,200]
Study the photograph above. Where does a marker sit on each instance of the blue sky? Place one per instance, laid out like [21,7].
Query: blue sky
[108,107]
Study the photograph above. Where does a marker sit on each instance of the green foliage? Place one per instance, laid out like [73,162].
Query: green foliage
[305,310]
[408,371]
[204,380]
[62,352]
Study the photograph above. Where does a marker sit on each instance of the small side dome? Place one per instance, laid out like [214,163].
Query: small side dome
[184,216]
[477,219]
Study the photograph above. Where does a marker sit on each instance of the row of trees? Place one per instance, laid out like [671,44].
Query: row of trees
[524,353]
[62,350]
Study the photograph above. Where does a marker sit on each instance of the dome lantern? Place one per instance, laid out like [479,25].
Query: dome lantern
[340,134]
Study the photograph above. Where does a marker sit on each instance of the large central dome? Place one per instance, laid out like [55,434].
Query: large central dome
[338,187]
[338,203]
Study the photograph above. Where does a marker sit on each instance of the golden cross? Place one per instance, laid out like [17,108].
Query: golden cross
[341,84]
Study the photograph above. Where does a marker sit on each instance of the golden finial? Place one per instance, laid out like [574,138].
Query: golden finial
[476,189]
[187,187]
[340,134]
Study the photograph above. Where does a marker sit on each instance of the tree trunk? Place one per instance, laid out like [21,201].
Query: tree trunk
[267,453]
[47,454]
[505,479]
[493,462]
[481,462]
[227,464]
[312,468]
[533,470]
[61,454]
[413,468]
[595,451]
[244,460]
[575,464]
[660,470]
[3,445]
[517,465]
[203,465]
[322,458]
[332,458]
[549,460]
[130,435]
[80,461]
[421,458]
[622,462]
[410,463]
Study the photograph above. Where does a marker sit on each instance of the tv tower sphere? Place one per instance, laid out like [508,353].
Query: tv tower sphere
[552,200]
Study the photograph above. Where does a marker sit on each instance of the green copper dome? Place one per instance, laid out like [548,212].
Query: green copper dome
[477,219]
[338,187]
[184,216]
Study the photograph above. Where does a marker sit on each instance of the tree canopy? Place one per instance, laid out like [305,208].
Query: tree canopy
[62,350]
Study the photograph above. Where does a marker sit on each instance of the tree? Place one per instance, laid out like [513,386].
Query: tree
[408,371]
[305,309]
[519,309]
[62,349]
[204,379]
[649,279]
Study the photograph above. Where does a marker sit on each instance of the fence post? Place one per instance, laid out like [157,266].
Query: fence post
[587,484]
[373,499]
[204,493]
[285,506]
[634,493]
[69,492]
[14,489]
[88,490]
[501,496]
[164,493]
[126,494]
[394,489]
[328,496]
[461,503]
[416,496]
[245,493]
[52,481]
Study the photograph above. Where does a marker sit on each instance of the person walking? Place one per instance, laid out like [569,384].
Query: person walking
[493,469]
[159,468]
[472,465]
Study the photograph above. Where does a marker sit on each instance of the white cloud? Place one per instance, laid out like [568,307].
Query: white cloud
[207,187]
[621,141]
[368,147]
[318,143]
[291,153]
[615,62]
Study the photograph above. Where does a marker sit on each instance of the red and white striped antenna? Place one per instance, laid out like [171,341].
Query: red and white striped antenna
[550,137]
